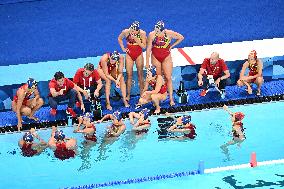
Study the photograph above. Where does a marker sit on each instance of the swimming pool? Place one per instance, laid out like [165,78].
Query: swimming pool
[133,157]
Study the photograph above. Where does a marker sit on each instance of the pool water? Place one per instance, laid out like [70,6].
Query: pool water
[134,156]
[266,177]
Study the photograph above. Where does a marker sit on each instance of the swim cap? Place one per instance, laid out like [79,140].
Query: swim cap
[89,66]
[28,137]
[239,116]
[145,112]
[117,115]
[135,26]
[160,25]
[186,119]
[152,70]
[88,115]
[115,55]
[31,82]
[59,135]
[253,52]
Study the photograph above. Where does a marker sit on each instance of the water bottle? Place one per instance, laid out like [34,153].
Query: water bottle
[180,88]
[182,94]
[97,109]
[69,120]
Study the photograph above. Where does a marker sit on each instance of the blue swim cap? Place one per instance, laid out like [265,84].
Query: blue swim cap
[115,55]
[59,135]
[145,112]
[117,115]
[186,119]
[152,69]
[160,25]
[135,26]
[28,137]
[88,115]
[31,82]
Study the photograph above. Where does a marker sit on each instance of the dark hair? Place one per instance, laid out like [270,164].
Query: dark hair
[58,75]
[89,66]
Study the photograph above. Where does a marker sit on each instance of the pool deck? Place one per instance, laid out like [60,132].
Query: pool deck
[234,95]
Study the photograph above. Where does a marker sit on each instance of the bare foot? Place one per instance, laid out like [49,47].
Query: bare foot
[127,98]
[108,107]
[126,104]
[258,92]
[33,118]
[249,90]
[157,111]
[172,103]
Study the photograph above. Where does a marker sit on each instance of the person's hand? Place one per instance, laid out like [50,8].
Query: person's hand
[117,84]
[170,48]
[19,125]
[225,107]
[86,94]
[96,94]
[133,36]
[83,107]
[200,83]
[217,82]
[145,94]
[33,103]
[76,130]
[61,92]
[126,50]
[42,142]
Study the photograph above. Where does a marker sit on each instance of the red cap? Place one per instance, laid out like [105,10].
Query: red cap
[253,52]
[239,115]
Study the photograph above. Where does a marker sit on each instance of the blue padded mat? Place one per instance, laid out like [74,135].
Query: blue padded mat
[232,93]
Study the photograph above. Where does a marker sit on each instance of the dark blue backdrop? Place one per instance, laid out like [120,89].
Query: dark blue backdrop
[60,29]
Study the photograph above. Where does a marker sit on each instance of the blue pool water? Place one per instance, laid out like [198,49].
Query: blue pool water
[132,157]
[267,177]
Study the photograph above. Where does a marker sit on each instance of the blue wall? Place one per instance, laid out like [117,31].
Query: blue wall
[38,31]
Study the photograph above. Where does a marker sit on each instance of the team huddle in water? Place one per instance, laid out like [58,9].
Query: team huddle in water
[65,148]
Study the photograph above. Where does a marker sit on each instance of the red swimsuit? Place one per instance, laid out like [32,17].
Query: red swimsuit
[27,150]
[27,96]
[235,134]
[93,136]
[192,133]
[62,152]
[253,70]
[134,49]
[163,89]
[109,65]
[160,49]
[139,132]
